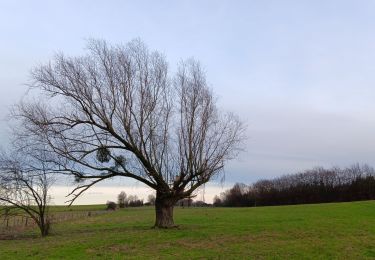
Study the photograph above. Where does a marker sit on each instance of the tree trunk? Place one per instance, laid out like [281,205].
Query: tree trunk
[44,231]
[44,226]
[164,212]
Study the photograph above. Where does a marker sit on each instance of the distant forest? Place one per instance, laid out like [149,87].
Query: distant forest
[318,185]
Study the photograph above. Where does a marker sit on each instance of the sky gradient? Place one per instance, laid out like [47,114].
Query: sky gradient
[299,73]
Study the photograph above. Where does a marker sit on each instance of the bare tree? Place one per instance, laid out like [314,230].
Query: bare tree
[121,199]
[133,201]
[151,199]
[24,184]
[117,112]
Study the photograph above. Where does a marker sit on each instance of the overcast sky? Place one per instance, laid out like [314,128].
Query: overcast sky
[299,73]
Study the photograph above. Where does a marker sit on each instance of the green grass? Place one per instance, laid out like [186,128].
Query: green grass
[320,231]
[77,208]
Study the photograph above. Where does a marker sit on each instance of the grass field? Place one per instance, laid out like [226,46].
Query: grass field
[320,231]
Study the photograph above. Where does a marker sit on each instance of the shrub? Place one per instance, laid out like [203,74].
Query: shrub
[111,205]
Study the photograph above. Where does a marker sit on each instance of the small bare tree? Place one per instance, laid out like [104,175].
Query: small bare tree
[117,112]
[151,199]
[24,186]
[121,199]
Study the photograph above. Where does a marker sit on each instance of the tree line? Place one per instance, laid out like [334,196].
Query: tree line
[317,185]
